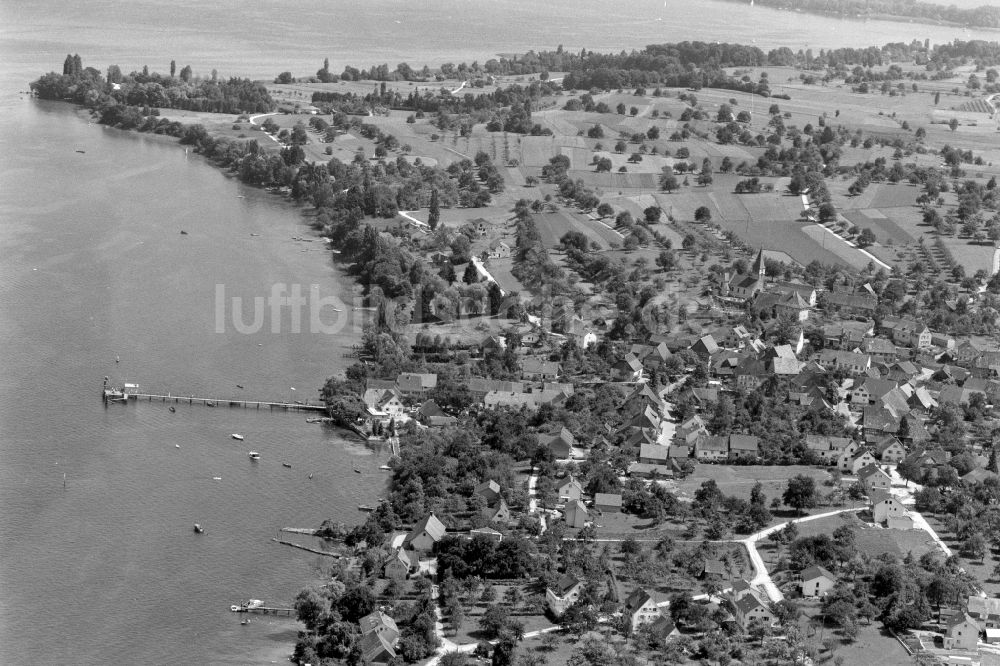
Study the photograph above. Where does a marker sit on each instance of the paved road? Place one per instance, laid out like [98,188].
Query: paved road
[762,578]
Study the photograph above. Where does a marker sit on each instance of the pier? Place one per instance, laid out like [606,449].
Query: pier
[118,395]
[315,551]
[263,610]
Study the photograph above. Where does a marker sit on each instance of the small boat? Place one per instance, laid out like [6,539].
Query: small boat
[177,446]
[239,386]
[81,151]
[357,471]
[254,455]
[386,467]
[245,620]
[237,436]
[209,403]
[365,507]
[288,465]
[310,475]
[173,409]
[183,233]
[255,234]
[216,478]
[234,608]
[198,529]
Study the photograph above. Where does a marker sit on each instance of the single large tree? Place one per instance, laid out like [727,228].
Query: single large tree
[800,493]
[434,215]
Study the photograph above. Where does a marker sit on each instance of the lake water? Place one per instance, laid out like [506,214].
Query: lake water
[93,267]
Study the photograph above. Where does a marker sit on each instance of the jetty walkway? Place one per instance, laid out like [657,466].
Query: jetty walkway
[171,397]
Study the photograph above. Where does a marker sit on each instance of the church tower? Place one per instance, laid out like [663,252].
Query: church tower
[758,267]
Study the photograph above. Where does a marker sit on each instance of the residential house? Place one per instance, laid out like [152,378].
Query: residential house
[650,471]
[885,506]
[942,341]
[778,304]
[565,593]
[816,581]
[431,415]
[847,334]
[678,452]
[399,565]
[425,534]
[629,369]
[416,383]
[499,513]
[380,623]
[826,449]
[714,570]
[753,607]
[907,332]
[376,650]
[850,303]
[845,360]
[805,291]
[705,346]
[961,633]
[750,374]
[880,349]
[922,400]
[744,447]
[582,334]
[890,450]
[640,609]
[870,390]
[653,454]
[690,431]
[479,387]
[489,490]
[859,460]
[877,422]
[986,612]
[383,404]
[844,460]
[576,514]
[664,628]
[562,443]
[498,249]
[711,448]
[648,420]
[608,502]
[537,369]
[570,489]
[872,478]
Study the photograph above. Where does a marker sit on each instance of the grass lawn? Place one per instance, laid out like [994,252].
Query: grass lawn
[982,571]
[871,540]
[871,647]
[738,480]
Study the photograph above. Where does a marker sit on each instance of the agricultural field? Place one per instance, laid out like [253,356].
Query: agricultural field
[552,227]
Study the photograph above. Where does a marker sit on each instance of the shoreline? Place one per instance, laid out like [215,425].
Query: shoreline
[894,18]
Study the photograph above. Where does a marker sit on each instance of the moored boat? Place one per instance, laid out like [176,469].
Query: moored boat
[254,455]
[238,437]
[198,529]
